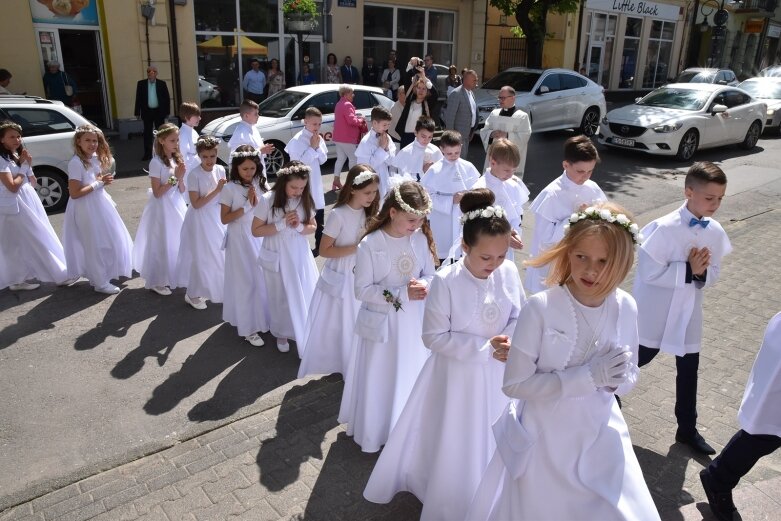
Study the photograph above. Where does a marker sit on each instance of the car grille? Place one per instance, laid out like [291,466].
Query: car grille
[626,130]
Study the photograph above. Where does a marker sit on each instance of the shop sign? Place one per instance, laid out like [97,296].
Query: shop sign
[70,12]
[754,25]
[639,8]
[346,3]
[774,31]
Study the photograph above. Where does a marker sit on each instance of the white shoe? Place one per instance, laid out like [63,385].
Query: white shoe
[108,289]
[162,290]
[283,348]
[196,302]
[69,281]
[254,339]
[24,286]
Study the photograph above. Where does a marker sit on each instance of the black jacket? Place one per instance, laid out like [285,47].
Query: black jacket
[163,99]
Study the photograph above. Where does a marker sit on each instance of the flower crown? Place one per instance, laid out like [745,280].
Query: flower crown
[246,153]
[603,214]
[407,208]
[484,213]
[91,129]
[207,141]
[163,132]
[363,177]
[294,169]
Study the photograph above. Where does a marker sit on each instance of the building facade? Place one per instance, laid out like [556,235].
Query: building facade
[202,48]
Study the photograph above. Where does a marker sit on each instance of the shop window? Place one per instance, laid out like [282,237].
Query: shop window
[634,27]
[259,17]
[215,15]
[660,48]
[412,32]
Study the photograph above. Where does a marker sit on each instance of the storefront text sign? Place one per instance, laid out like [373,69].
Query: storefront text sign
[639,8]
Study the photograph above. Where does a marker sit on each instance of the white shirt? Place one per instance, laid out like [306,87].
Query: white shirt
[472,106]
[410,159]
[187,138]
[246,134]
[299,148]
[370,153]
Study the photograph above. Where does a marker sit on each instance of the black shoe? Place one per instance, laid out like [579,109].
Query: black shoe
[696,442]
[618,401]
[720,502]
[316,252]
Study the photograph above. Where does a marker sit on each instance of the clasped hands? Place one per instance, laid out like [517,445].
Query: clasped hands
[611,369]
[416,289]
[699,260]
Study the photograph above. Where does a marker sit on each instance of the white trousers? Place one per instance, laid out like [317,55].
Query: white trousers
[345,152]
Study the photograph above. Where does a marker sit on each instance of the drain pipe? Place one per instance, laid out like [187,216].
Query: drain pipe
[175,57]
[578,65]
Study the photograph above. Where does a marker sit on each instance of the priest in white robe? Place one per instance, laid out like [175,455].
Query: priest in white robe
[508,121]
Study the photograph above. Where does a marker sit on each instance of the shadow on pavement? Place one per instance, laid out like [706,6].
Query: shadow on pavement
[254,372]
[59,304]
[161,335]
[306,414]
[666,477]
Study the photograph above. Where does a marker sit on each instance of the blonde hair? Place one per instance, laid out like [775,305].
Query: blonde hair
[103,152]
[620,248]
[505,152]
[162,132]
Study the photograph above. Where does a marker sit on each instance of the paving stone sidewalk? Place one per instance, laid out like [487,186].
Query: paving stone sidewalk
[294,461]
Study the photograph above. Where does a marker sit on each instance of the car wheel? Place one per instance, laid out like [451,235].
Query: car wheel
[52,189]
[688,146]
[590,123]
[752,136]
[276,159]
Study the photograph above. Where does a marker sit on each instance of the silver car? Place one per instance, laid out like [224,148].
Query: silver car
[708,75]
[554,98]
[767,89]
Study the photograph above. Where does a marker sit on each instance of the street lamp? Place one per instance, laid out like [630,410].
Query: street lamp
[720,17]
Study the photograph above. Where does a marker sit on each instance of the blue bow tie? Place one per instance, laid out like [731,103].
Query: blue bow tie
[702,222]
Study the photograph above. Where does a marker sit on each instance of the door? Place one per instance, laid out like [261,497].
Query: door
[545,107]
[81,58]
[594,62]
[310,51]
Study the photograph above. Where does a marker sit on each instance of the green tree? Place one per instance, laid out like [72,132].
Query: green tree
[531,16]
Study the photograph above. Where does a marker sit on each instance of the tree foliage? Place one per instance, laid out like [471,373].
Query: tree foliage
[531,16]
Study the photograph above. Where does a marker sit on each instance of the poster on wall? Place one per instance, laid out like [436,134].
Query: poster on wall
[71,12]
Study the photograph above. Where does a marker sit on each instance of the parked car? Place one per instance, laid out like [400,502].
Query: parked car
[281,118]
[767,89]
[708,75]
[772,71]
[554,98]
[47,133]
[209,93]
[678,119]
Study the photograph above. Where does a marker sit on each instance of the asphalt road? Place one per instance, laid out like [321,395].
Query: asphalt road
[91,381]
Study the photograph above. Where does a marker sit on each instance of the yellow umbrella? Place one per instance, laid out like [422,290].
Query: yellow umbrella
[248,46]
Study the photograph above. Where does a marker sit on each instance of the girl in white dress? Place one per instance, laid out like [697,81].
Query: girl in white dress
[393,269]
[245,301]
[563,451]
[29,248]
[331,320]
[284,217]
[443,441]
[200,266]
[160,228]
[97,243]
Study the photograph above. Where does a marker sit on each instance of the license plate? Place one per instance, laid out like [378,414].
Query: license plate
[623,142]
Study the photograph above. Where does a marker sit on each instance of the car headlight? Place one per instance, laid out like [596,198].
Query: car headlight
[670,127]
[770,112]
[604,120]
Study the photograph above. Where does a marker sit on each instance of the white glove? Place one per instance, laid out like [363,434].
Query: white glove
[610,369]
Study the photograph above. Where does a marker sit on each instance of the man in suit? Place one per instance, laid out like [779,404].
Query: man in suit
[349,72]
[371,72]
[153,104]
[461,112]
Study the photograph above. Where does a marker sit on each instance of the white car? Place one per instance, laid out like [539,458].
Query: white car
[767,89]
[281,118]
[554,98]
[208,93]
[47,133]
[677,119]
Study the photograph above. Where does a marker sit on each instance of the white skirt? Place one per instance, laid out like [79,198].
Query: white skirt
[97,243]
[158,238]
[331,320]
[442,442]
[291,275]
[245,303]
[29,248]
[381,377]
[200,266]
[30,197]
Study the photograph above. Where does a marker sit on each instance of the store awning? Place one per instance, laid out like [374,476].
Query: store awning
[248,46]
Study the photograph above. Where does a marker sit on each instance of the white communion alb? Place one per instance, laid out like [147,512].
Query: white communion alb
[370,153]
[759,413]
[300,149]
[518,128]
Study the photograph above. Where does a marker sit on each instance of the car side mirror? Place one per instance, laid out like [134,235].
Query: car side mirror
[718,109]
[637,99]
[543,90]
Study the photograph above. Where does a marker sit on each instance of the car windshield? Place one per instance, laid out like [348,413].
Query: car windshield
[280,103]
[762,89]
[771,71]
[696,77]
[521,81]
[684,99]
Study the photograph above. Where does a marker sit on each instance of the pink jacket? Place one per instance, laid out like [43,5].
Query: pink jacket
[347,124]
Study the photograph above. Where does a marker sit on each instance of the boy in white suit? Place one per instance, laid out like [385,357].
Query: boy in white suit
[681,254]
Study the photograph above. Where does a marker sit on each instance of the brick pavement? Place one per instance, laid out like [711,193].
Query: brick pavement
[293,461]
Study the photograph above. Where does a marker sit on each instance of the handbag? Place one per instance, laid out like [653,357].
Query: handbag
[68,88]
